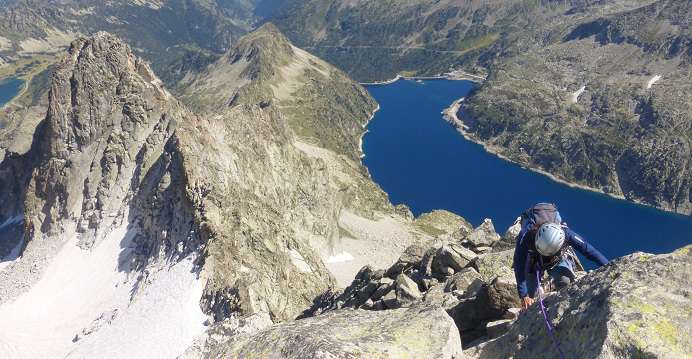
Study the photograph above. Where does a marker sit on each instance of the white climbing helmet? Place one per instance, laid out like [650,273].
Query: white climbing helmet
[549,239]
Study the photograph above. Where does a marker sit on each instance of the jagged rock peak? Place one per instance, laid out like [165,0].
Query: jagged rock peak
[107,121]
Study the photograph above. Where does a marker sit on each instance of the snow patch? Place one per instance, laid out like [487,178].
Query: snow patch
[85,296]
[12,256]
[652,81]
[576,94]
[16,251]
[341,257]
[298,261]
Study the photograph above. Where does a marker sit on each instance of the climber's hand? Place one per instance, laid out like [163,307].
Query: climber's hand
[526,302]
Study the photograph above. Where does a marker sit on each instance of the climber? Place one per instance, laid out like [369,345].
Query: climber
[546,244]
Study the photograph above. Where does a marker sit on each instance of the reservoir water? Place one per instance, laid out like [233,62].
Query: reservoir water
[9,88]
[420,160]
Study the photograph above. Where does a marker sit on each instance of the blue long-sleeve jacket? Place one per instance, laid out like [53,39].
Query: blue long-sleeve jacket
[526,247]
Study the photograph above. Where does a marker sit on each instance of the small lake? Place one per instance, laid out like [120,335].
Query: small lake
[9,88]
[422,161]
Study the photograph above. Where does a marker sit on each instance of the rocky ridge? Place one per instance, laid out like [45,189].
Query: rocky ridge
[235,191]
[598,316]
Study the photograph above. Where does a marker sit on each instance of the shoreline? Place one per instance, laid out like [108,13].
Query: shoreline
[27,77]
[362,135]
[456,75]
[449,114]
[22,91]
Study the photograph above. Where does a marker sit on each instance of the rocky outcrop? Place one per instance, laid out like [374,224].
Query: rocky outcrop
[398,333]
[445,275]
[637,306]
[108,120]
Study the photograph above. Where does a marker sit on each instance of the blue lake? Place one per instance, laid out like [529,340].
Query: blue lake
[9,88]
[420,160]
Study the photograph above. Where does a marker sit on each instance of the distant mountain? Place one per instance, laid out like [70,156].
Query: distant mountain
[173,34]
[375,40]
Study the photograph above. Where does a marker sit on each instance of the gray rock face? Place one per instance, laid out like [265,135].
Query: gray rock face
[107,123]
[406,290]
[498,327]
[495,264]
[230,186]
[462,280]
[454,257]
[397,333]
[412,255]
[637,306]
[483,235]
[502,293]
[443,277]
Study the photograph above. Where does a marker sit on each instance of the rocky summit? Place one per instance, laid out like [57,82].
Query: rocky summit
[637,306]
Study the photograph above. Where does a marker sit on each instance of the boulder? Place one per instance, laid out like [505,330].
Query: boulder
[232,327]
[425,265]
[502,245]
[495,264]
[473,288]
[365,274]
[441,223]
[483,235]
[461,280]
[408,259]
[399,333]
[502,293]
[508,239]
[638,306]
[385,285]
[390,301]
[497,328]
[483,249]
[406,291]
[451,256]
[436,296]
[512,313]
[512,232]
[472,312]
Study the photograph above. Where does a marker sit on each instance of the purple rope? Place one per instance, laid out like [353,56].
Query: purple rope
[548,326]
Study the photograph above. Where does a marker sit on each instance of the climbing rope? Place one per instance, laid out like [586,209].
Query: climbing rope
[548,326]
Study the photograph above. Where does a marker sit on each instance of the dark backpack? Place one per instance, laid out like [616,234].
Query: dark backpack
[541,213]
[538,215]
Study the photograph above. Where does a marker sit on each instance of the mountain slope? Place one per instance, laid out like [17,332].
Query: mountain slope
[594,93]
[163,32]
[319,101]
[607,105]
[82,254]
[132,220]
[325,112]
[375,40]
